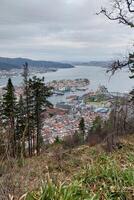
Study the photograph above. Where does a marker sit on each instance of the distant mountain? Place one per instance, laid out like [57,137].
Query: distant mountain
[7,66]
[94,63]
[17,63]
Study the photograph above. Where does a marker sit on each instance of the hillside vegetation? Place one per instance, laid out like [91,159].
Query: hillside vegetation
[82,173]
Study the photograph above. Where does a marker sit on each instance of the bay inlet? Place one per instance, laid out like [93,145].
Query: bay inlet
[120,82]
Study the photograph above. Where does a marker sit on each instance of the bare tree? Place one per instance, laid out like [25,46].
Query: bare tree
[121,11]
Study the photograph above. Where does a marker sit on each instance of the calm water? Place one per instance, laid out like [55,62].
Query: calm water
[120,82]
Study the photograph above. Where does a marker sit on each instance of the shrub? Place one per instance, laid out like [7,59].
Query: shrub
[71,141]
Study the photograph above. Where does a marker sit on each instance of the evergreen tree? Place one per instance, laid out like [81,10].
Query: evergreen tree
[40,93]
[20,126]
[35,101]
[9,114]
[28,105]
[2,136]
[97,125]
[82,128]
[82,125]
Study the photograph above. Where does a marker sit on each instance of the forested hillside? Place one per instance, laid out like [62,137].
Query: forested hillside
[15,63]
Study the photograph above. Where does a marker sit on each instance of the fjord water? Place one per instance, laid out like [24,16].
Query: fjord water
[120,82]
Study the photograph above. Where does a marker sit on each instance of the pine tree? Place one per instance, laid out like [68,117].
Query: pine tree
[82,125]
[27,105]
[9,114]
[40,94]
[2,137]
[97,125]
[82,128]
[20,126]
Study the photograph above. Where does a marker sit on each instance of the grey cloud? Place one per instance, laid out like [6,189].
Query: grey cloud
[59,29]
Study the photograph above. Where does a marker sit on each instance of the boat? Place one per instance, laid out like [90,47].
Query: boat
[58,93]
[82,89]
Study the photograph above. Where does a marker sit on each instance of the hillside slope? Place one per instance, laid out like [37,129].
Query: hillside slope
[82,173]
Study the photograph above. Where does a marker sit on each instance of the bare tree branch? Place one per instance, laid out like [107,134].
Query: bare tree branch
[121,12]
[117,65]
[130,5]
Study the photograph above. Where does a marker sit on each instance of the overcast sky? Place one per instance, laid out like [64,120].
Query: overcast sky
[65,30]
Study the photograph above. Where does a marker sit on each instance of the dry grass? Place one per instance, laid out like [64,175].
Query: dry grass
[61,165]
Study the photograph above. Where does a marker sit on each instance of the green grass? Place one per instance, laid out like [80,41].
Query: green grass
[104,179]
[51,191]
[108,179]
